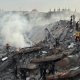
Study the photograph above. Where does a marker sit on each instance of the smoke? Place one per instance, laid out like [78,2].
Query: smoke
[24,29]
[13,30]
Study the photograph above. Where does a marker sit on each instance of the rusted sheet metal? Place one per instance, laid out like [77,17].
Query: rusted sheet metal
[47,59]
[70,60]
[73,72]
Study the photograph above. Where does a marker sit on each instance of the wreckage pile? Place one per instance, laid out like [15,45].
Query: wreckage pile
[57,57]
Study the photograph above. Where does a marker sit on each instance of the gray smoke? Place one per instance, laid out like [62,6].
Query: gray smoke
[25,29]
[13,30]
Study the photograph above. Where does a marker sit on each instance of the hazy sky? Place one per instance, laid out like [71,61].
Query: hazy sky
[41,5]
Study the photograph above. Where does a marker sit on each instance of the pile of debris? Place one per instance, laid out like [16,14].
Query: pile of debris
[51,59]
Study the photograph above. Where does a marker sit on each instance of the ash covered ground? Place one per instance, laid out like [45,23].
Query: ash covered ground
[34,41]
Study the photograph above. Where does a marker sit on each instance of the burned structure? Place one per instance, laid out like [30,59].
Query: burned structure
[54,58]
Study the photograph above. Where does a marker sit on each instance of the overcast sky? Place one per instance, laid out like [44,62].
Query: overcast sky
[41,5]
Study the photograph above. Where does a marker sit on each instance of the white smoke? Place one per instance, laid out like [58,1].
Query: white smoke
[22,29]
[13,30]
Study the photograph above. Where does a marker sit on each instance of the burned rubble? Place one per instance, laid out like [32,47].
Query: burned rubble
[55,58]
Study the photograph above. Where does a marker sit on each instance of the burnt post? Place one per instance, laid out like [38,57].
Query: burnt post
[71,22]
[77,25]
[57,42]
[7,47]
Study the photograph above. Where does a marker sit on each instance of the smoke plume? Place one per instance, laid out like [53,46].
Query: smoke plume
[21,29]
[13,30]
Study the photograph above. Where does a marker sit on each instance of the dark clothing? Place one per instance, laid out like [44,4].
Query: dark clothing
[23,74]
[43,68]
[57,42]
[71,23]
[7,48]
[77,26]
